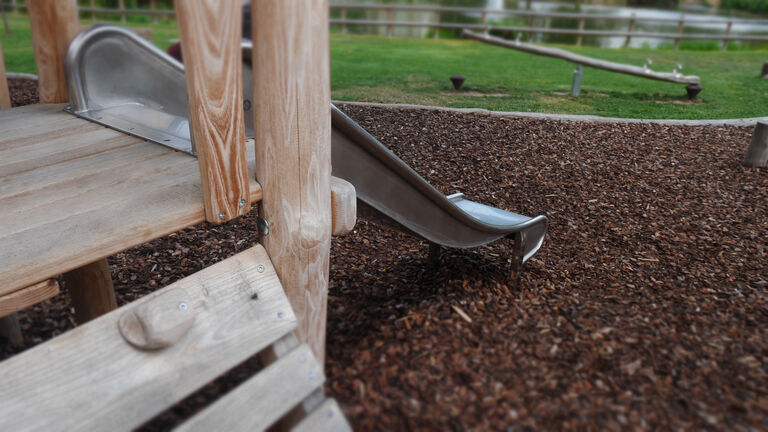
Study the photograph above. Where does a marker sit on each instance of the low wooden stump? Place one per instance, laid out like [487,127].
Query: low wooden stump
[757,152]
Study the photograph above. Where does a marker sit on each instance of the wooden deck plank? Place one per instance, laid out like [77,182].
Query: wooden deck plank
[263,399]
[90,378]
[78,202]
[28,296]
[327,417]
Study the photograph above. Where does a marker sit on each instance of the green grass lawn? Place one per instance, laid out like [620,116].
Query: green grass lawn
[416,71]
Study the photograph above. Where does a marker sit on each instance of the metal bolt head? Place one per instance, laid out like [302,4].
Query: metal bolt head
[312,374]
[241,203]
[260,268]
[280,314]
[222,215]
[303,359]
[183,306]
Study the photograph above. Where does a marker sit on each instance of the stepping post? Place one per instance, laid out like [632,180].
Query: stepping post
[90,288]
[757,152]
[292,126]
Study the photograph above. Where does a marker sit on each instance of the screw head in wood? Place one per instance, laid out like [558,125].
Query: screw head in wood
[280,314]
[260,268]
[183,306]
[242,203]
[222,215]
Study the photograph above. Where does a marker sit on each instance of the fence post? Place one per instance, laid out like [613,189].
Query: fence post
[92,4]
[121,7]
[680,24]
[153,8]
[292,126]
[727,33]
[5,96]
[390,18]
[630,29]
[580,36]
[15,7]
[531,20]
[54,24]
[343,18]
[210,33]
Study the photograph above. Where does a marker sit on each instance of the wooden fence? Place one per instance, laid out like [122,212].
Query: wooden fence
[531,30]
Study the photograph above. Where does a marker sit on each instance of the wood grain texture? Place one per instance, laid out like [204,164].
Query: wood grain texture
[91,290]
[5,95]
[263,399]
[11,330]
[343,206]
[54,24]
[325,418]
[91,379]
[292,126]
[28,296]
[72,192]
[211,32]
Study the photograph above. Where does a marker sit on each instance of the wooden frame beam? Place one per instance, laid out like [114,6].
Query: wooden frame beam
[5,95]
[210,32]
[26,297]
[292,125]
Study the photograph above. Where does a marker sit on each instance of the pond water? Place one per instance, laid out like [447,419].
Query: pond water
[717,28]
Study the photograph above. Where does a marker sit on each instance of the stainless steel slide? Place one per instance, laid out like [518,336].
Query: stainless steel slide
[122,81]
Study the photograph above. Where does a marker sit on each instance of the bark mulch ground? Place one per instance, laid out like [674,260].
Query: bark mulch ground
[645,309]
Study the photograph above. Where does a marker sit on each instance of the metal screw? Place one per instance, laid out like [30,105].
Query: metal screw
[280,314]
[330,413]
[242,203]
[303,359]
[222,215]
[182,306]
[312,374]
[260,268]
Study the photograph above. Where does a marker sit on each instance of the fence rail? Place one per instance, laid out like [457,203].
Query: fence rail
[531,30]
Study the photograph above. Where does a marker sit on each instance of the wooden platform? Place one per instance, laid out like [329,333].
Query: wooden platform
[73,192]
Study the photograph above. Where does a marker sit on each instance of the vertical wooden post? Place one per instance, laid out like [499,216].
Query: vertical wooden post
[91,291]
[390,18]
[10,329]
[727,33]
[15,7]
[292,125]
[437,28]
[580,36]
[92,4]
[679,31]
[531,21]
[5,95]
[54,23]
[630,29]
[210,34]
[343,18]
[121,7]
[153,8]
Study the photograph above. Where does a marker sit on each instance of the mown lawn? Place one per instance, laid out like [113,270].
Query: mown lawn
[416,71]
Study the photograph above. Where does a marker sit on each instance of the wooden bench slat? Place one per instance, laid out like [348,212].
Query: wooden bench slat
[326,417]
[263,399]
[28,296]
[90,378]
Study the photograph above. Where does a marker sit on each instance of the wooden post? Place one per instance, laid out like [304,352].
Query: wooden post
[630,29]
[153,8]
[437,29]
[10,329]
[580,36]
[390,18]
[757,152]
[15,7]
[54,23]
[210,34]
[343,18]
[121,7]
[5,20]
[92,3]
[679,31]
[91,291]
[292,126]
[727,33]
[5,95]
[531,22]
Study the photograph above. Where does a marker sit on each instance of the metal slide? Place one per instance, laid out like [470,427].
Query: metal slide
[124,82]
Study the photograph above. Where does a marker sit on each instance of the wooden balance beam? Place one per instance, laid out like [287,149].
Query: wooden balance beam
[693,88]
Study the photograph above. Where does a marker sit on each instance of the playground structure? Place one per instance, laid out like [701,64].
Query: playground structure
[74,192]
[118,80]
[692,82]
